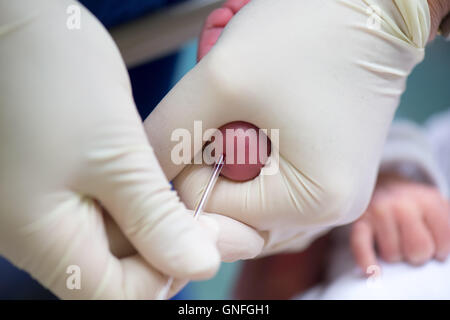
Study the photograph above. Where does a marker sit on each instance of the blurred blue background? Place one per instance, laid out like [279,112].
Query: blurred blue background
[428,91]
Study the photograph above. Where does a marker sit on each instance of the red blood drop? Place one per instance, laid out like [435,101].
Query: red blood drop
[243,138]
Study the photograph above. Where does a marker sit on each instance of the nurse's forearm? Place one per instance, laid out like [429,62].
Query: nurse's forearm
[439,10]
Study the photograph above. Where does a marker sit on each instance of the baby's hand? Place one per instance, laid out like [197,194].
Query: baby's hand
[406,221]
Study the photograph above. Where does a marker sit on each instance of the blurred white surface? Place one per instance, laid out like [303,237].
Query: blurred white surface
[396,281]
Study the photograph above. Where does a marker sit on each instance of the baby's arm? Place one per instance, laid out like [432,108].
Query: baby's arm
[408,217]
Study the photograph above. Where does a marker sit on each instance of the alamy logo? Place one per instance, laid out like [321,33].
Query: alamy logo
[374,20]
[374,279]
[249,146]
[73,21]
[73,281]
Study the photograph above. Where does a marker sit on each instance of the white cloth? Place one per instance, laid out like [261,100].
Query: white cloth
[397,281]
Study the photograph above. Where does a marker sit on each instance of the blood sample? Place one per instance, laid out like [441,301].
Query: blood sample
[251,150]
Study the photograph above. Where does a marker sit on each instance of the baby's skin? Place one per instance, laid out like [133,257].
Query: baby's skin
[215,23]
[405,221]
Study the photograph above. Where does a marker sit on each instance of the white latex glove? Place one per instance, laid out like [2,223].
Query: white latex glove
[71,138]
[323,73]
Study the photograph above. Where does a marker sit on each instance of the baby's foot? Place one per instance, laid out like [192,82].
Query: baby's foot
[215,23]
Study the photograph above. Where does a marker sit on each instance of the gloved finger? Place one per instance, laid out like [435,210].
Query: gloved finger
[417,241]
[362,244]
[145,282]
[437,219]
[68,253]
[236,240]
[127,180]
[387,234]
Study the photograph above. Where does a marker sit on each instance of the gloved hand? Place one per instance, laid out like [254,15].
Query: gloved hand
[74,157]
[329,75]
